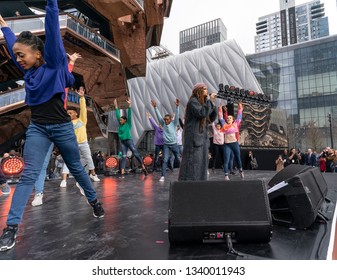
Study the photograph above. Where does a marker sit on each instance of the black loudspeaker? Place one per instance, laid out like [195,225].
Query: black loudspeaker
[288,172]
[212,211]
[296,201]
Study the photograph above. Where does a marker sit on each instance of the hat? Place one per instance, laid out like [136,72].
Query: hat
[198,86]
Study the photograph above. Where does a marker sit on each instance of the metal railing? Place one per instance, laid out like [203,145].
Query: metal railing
[141,3]
[36,24]
[12,97]
[89,34]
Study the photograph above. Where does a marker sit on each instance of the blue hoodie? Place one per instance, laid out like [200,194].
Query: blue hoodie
[42,83]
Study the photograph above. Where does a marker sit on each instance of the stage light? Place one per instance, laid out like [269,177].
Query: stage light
[12,167]
[148,160]
[232,89]
[112,162]
[226,88]
[234,94]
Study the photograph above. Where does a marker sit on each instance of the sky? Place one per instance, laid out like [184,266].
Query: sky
[239,16]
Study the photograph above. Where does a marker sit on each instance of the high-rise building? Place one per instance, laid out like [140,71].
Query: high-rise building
[291,25]
[302,81]
[202,35]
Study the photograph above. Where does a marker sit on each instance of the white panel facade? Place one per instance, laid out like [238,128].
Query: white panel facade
[174,77]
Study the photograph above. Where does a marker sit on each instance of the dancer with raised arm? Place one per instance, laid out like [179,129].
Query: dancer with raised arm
[124,134]
[46,76]
[170,137]
[230,128]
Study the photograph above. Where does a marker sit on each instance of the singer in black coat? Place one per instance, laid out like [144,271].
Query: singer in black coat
[200,112]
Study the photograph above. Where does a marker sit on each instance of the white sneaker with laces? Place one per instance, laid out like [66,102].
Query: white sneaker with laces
[162,179]
[226,178]
[80,188]
[37,199]
[94,178]
[63,184]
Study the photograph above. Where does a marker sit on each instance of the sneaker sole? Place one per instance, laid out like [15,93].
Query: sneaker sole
[98,216]
[6,248]
[36,204]
[2,249]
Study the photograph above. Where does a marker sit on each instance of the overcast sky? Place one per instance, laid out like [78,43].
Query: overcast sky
[239,17]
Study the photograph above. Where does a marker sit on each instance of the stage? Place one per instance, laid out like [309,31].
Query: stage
[135,226]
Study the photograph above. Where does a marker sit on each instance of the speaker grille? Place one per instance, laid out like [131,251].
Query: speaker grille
[200,210]
[214,202]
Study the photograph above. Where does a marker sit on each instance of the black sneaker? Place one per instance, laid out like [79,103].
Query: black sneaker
[98,209]
[7,239]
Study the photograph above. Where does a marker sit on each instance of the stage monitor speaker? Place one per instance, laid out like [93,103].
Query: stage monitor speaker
[295,202]
[212,211]
[288,172]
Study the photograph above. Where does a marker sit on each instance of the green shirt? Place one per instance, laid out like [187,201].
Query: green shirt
[124,130]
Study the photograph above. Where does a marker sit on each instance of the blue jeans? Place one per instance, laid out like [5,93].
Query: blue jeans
[38,140]
[229,148]
[171,161]
[167,148]
[231,161]
[39,184]
[128,144]
[156,156]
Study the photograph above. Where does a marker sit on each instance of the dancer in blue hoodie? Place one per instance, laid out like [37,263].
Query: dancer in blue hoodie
[46,75]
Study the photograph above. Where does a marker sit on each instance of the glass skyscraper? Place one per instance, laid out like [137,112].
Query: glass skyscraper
[302,80]
[291,25]
[202,35]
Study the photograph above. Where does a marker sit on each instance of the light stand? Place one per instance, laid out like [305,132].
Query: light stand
[231,94]
[330,125]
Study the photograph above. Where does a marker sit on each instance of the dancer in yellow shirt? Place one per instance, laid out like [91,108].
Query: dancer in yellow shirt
[80,126]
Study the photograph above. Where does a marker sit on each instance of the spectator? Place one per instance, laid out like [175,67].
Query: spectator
[279,163]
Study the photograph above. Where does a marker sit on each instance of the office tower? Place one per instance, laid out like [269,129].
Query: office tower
[202,35]
[301,80]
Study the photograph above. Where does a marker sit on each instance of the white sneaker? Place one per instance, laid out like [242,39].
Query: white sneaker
[162,179]
[242,175]
[63,183]
[94,178]
[37,199]
[226,178]
[80,188]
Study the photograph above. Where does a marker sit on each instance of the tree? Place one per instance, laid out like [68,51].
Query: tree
[313,136]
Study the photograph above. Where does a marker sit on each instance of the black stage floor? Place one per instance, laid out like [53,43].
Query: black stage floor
[135,226]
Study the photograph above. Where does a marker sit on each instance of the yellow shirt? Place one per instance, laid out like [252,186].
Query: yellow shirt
[81,122]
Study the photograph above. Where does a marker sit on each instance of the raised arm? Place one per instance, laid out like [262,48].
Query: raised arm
[176,119]
[83,105]
[10,39]
[118,115]
[153,123]
[129,112]
[55,53]
[159,117]
[239,115]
